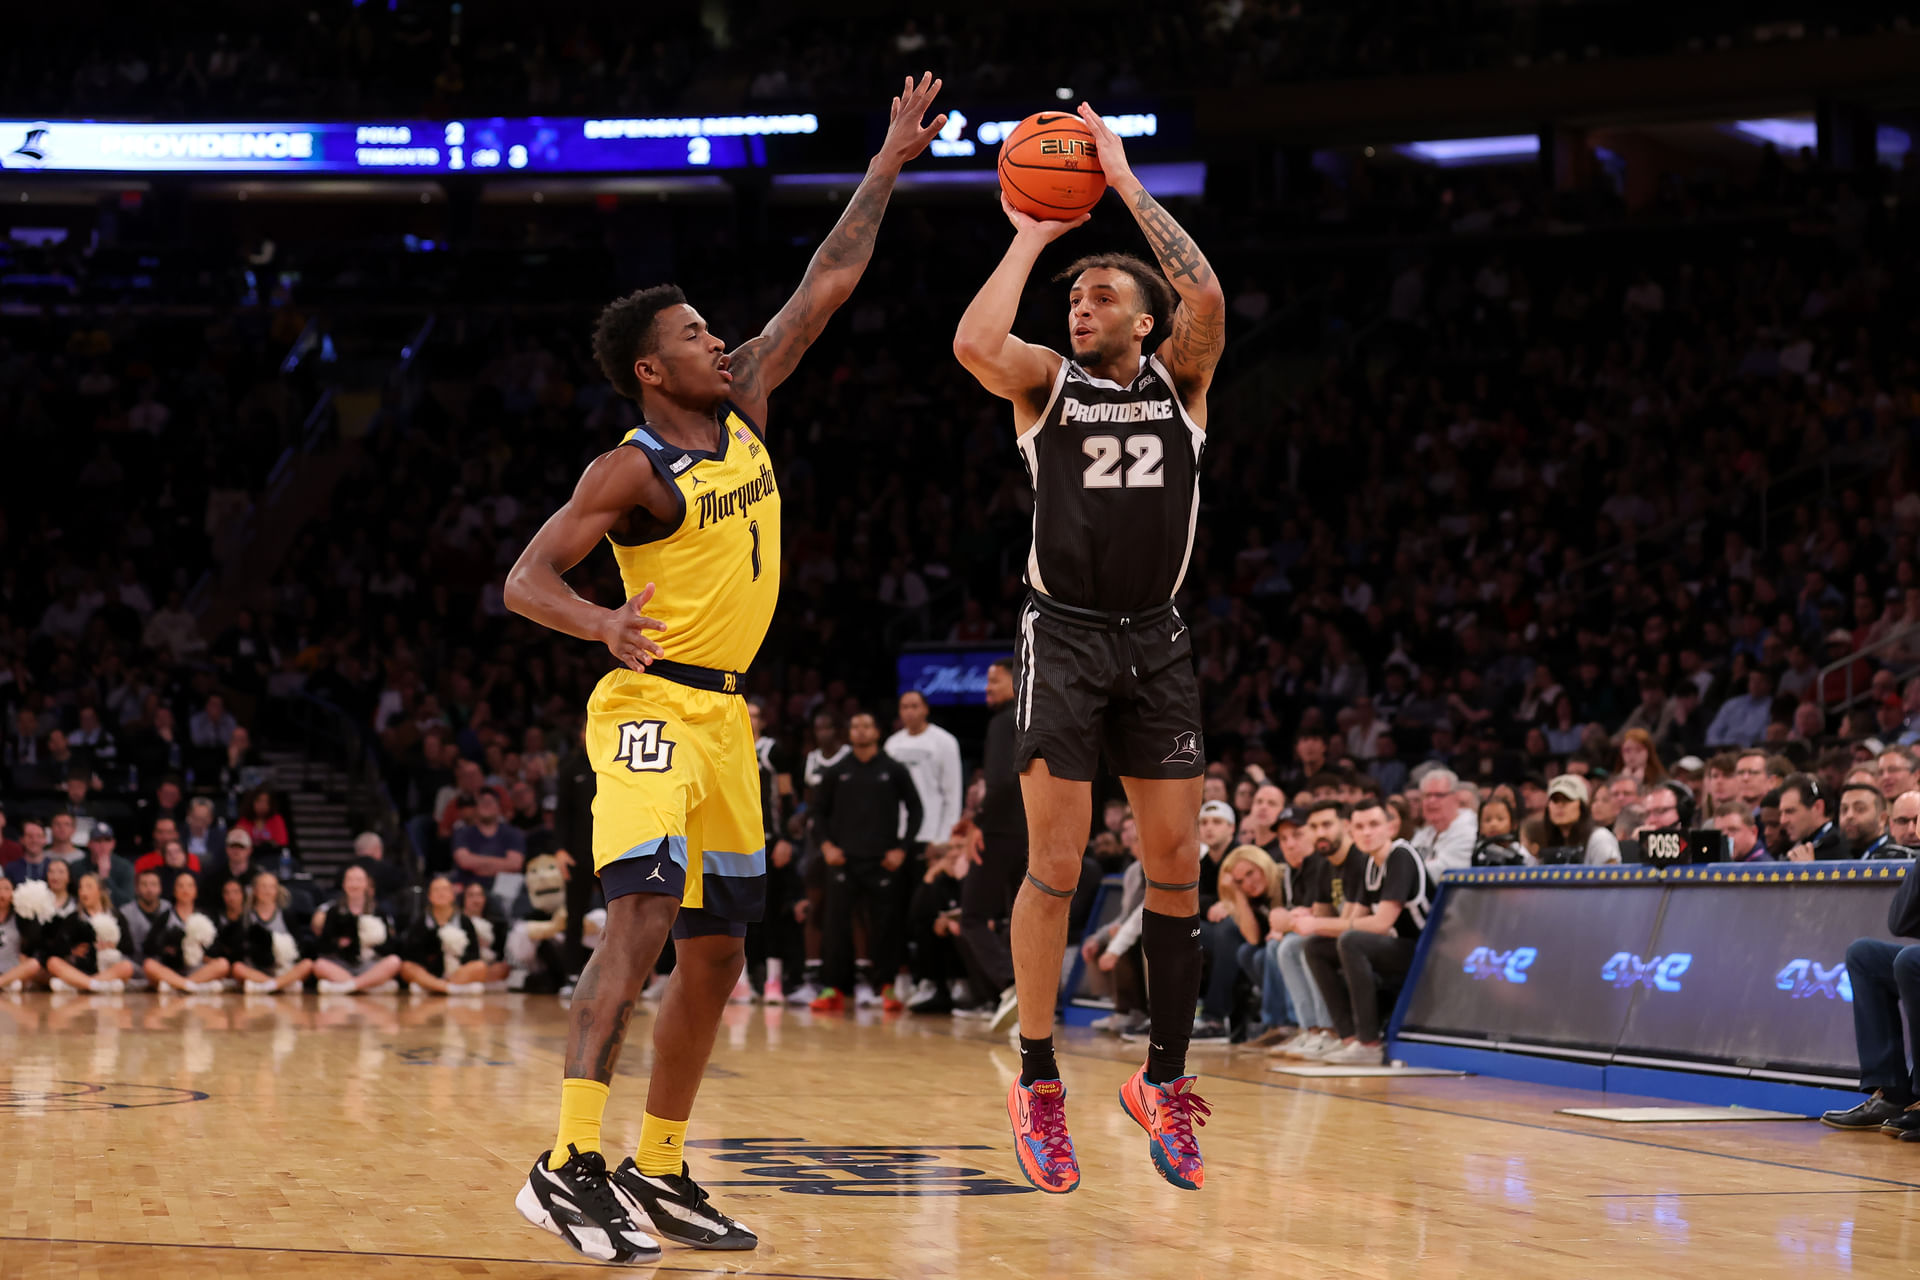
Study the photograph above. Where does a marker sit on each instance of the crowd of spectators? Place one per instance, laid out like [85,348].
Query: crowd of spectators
[581,56]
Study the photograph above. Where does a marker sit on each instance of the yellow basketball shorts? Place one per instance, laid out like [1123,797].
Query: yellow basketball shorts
[677,809]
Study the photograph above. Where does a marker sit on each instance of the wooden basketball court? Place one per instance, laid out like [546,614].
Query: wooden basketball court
[335,1136]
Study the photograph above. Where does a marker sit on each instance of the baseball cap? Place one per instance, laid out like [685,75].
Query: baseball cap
[240,837]
[101,831]
[1570,786]
[1293,816]
[1218,809]
[1839,635]
[1692,764]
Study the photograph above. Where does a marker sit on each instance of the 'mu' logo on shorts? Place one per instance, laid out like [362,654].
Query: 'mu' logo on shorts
[642,749]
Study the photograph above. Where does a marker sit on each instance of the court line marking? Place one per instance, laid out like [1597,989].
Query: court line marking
[1525,1124]
[1698,1195]
[431,1257]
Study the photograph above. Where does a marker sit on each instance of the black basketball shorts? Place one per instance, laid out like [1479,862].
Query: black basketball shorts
[1091,684]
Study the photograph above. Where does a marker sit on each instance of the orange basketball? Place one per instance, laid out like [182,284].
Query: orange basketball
[1048,168]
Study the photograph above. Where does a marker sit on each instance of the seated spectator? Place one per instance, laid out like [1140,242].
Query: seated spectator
[1734,820]
[357,943]
[1742,721]
[1235,927]
[241,768]
[19,967]
[115,872]
[260,818]
[180,956]
[1445,840]
[212,726]
[1114,949]
[1498,842]
[1898,772]
[140,917]
[33,861]
[1886,990]
[80,947]
[10,849]
[1804,815]
[1863,822]
[237,864]
[1638,758]
[1333,880]
[370,855]
[205,836]
[1571,833]
[1903,822]
[489,846]
[441,952]
[272,962]
[1372,948]
[166,840]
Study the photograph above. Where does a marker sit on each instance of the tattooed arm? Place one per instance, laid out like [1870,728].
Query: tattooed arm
[1197,333]
[760,365]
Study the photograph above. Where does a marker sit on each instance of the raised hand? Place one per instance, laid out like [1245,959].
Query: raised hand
[906,137]
[1040,229]
[625,632]
[1106,146]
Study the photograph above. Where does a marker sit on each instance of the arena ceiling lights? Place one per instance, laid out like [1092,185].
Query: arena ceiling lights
[1448,152]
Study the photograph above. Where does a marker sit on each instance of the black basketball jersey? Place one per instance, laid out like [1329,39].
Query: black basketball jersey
[1116,490]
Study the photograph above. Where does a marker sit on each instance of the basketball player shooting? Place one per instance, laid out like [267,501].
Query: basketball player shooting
[688,500]
[1112,440]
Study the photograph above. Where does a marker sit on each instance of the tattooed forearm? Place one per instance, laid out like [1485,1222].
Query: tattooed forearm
[1184,264]
[1197,334]
[764,363]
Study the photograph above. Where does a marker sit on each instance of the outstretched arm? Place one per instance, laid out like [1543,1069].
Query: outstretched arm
[763,363]
[608,491]
[984,343]
[1197,333]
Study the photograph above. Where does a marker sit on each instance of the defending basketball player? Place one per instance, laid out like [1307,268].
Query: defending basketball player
[688,501]
[1111,439]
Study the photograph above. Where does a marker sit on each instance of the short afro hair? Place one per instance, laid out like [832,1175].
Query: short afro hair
[625,332]
[1155,294]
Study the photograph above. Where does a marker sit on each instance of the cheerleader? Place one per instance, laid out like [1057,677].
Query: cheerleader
[442,953]
[179,957]
[271,962]
[81,949]
[230,929]
[18,940]
[356,940]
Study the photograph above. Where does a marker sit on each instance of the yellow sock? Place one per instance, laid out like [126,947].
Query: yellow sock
[661,1141]
[582,1103]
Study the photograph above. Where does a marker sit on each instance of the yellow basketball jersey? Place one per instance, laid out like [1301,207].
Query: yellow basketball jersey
[716,574]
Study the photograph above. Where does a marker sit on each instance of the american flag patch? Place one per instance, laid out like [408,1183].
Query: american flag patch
[740,434]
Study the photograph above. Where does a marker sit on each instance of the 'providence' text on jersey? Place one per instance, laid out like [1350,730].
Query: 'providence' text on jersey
[1116,490]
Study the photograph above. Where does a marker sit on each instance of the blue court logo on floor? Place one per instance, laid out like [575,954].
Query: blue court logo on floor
[87,1095]
[800,1167]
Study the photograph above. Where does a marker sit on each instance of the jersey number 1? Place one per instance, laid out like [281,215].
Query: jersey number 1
[753,527]
[1104,471]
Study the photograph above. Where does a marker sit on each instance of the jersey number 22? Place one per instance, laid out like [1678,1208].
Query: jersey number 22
[1103,472]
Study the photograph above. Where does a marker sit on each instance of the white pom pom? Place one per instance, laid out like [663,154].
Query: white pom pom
[483,929]
[453,942]
[199,933]
[286,952]
[34,901]
[373,932]
[107,957]
[106,928]
[522,950]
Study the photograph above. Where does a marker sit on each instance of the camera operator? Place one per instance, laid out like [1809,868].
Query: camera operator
[1807,817]
[1863,821]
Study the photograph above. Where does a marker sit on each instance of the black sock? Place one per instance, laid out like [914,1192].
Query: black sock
[1171,948]
[1036,1060]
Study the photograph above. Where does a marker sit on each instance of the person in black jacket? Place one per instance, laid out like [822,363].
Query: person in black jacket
[357,946]
[997,842]
[180,955]
[1807,810]
[441,953]
[1886,984]
[857,820]
[573,846]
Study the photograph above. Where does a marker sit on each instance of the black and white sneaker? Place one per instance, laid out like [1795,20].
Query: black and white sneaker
[577,1203]
[679,1209]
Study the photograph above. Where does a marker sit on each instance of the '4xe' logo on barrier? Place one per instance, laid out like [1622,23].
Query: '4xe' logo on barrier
[1803,978]
[1508,966]
[1662,973]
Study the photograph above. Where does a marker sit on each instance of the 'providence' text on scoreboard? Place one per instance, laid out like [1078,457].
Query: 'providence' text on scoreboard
[568,144]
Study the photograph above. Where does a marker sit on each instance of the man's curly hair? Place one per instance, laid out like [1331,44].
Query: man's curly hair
[625,332]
